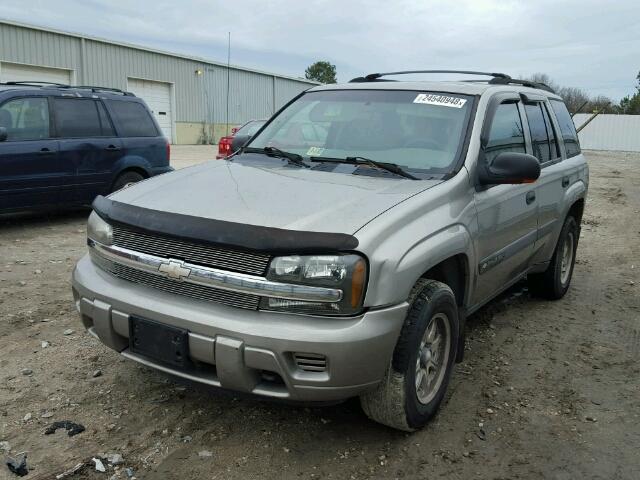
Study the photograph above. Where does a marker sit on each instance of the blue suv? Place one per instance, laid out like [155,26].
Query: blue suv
[62,146]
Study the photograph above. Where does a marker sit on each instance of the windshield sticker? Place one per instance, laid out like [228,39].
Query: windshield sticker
[441,100]
[315,151]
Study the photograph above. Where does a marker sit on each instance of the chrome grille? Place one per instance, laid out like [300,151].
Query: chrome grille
[163,246]
[232,299]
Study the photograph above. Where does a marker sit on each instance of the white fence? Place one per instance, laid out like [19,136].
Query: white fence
[609,132]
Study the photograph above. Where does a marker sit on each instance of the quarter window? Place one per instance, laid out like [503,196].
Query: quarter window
[25,119]
[77,118]
[506,133]
[567,128]
[133,119]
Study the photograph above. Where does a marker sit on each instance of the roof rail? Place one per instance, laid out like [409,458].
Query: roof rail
[29,83]
[497,78]
[372,77]
[35,83]
[99,89]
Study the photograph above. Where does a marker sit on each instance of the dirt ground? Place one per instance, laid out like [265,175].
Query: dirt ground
[547,389]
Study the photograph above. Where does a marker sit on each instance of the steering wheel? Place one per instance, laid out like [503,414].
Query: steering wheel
[423,143]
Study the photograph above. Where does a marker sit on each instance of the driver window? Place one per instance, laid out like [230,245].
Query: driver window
[25,118]
[506,133]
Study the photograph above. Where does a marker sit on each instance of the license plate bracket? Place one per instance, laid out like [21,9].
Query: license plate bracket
[157,341]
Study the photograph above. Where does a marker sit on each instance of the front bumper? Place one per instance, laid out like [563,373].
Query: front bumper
[249,351]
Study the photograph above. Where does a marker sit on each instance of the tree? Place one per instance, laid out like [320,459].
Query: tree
[630,105]
[323,72]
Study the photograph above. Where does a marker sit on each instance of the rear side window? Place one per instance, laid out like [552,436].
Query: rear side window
[79,118]
[542,135]
[25,118]
[133,119]
[105,123]
[506,133]
[567,128]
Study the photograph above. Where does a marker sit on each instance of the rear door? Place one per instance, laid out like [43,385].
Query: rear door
[88,144]
[507,214]
[31,173]
[549,187]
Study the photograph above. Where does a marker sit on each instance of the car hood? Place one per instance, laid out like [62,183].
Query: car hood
[273,196]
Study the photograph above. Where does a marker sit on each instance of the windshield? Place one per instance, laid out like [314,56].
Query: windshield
[420,131]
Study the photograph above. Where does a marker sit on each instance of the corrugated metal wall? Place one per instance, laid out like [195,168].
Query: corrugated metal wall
[198,98]
[609,132]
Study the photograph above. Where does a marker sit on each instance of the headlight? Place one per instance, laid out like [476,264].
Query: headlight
[347,272]
[99,230]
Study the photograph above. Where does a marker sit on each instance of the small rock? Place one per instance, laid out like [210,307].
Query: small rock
[27,371]
[205,454]
[481,434]
[22,283]
[46,415]
[44,344]
[286,450]
[68,331]
[115,459]
[45,320]
[490,411]
[591,419]
[27,417]
[37,271]
[5,447]
[129,471]
[96,373]
[186,439]
[99,465]
[18,465]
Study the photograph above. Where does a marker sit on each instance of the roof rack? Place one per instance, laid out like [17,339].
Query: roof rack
[30,83]
[497,78]
[99,89]
[33,83]
[372,77]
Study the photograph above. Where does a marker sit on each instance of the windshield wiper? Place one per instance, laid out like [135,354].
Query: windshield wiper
[292,158]
[389,167]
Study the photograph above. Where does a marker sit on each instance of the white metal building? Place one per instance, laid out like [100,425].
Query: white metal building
[187,95]
[609,132]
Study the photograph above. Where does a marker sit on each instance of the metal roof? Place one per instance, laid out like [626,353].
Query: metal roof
[152,50]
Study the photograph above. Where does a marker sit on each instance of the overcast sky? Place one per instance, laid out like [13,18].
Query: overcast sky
[594,45]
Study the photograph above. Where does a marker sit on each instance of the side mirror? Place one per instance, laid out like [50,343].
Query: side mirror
[3,134]
[238,142]
[510,168]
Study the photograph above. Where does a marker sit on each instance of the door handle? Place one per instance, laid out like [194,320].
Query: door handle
[531,197]
[565,182]
[112,148]
[45,151]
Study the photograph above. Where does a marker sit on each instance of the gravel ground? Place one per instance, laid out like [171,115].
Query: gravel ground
[547,389]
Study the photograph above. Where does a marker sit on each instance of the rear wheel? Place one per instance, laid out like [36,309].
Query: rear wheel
[126,179]
[417,379]
[554,282]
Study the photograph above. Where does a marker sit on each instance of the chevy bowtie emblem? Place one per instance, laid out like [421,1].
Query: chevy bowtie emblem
[175,269]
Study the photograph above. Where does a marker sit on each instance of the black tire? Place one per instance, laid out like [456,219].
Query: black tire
[395,401]
[124,179]
[554,282]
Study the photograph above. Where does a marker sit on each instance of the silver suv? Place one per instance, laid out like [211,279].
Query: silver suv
[339,251]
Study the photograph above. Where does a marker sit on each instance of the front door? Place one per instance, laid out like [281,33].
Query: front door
[31,173]
[507,214]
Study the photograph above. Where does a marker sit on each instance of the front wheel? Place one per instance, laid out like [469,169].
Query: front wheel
[417,378]
[554,282]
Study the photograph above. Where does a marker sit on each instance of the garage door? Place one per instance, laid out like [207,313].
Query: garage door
[12,72]
[157,95]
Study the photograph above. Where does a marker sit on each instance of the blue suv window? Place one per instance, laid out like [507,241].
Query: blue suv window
[80,118]
[133,119]
[25,118]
